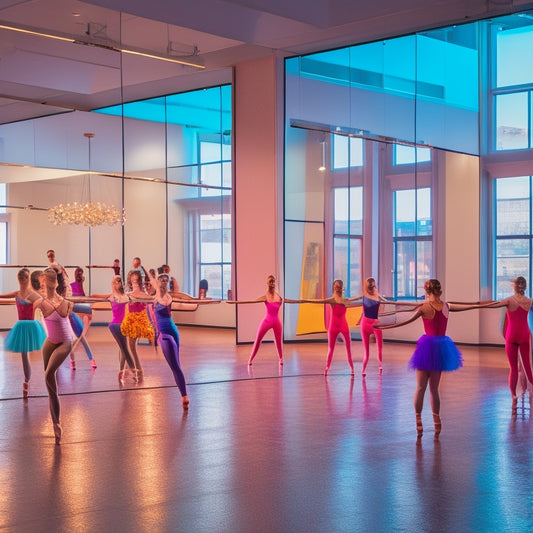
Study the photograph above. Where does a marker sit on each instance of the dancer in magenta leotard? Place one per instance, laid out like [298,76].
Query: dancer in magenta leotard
[57,345]
[27,335]
[435,352]
[517,334]
[271,321]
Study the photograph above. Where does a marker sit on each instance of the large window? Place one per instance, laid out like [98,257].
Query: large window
[412,238]
[512,251]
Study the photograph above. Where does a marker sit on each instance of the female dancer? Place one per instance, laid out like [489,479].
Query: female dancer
[435,352]
[119,302]
[136,324]
[57,345]
[169,339]
[271,321]
[371,304]
[337,322]
[517,334]
[27,335]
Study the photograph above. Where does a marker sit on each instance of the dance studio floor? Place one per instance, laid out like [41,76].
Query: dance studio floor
[262,449]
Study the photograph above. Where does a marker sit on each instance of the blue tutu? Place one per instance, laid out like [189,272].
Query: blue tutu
[436,353]
[25,336]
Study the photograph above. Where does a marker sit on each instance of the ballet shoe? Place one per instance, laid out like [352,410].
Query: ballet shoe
[72,365]
[58,430]
[419,427]
[121,376]
[185,402]
[139,375]
[438,425]
[93,363]
[25,389]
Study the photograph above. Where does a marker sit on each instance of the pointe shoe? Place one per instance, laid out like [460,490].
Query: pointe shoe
[438,425]
[72,365]
[121,376]
[58,430]
[185,402]
[419,427]
[138,375]
[25,388]
[93,363]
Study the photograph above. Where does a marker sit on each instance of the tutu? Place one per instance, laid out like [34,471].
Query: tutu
[136,326]
[25,336]
[436,353]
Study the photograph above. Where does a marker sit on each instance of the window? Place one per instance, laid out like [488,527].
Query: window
[347,149]
[409,155]
[347,237]
[512,250]
[412,241]
[215,170]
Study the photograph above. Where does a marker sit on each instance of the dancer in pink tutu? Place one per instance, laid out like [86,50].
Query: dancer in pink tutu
[271,321]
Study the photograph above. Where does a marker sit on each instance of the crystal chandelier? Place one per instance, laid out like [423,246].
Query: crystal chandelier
[86,213]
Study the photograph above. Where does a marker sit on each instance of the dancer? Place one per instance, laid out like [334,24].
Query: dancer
[435,352]
[119,302]
[80,319]
[136,324]
[56,347]
[172,284]
[371,306]
[517,334]
[168,333]
[51,255]
[27,335]
[337,322]
[271,321]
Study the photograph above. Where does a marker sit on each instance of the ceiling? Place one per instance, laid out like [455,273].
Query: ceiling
[42,76]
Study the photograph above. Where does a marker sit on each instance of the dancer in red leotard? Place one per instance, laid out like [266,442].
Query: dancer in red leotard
[271,321]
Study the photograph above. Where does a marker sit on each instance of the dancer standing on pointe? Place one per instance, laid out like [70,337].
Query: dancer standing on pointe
[435,352]
[169,339]
[27,335]
[56,347]
[271,321]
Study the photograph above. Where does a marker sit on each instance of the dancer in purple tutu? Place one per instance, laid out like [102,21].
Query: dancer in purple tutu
[435,352]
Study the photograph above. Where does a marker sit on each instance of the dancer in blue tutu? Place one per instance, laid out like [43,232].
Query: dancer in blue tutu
[27,335]
[435,352]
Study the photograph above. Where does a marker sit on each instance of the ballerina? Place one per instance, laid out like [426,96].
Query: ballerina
[27,335]
[57,345]
[273,302]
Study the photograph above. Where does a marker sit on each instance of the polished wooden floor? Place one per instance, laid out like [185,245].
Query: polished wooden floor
[262,449]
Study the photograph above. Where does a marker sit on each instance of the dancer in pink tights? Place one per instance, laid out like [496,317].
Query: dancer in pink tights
[271,321]
[57,345]
[517,334]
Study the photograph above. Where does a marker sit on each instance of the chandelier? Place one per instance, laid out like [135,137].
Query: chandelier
[86,213]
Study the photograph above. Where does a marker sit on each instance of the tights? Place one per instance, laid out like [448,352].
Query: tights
[517,337]
[338,324]
[53,355]
[122,341]
[367,329]
[271,321]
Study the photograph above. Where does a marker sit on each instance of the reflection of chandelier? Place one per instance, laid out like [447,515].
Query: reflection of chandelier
[86,213]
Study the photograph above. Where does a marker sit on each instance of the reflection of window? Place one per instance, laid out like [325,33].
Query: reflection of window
[3,224]
[215,169]
[512,249]
[409,155]
[347,237]
[347,149]
[412,241]
[214,253]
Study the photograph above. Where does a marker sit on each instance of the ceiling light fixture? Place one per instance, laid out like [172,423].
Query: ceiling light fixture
[131,51]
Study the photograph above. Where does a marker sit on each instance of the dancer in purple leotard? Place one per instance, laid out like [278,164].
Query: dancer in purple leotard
[57,345]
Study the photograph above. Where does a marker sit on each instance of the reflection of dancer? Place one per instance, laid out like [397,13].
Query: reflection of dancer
[27,335]
[371,304]
[136,324]
[435,352]
[517,334]
[271,321]
[169,339]
[57,345]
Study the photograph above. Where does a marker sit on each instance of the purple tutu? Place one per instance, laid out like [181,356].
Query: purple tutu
[436,353]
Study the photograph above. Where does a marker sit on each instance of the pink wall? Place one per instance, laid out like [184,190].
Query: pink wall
[257,215]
